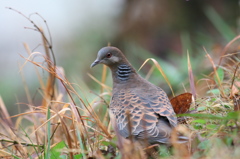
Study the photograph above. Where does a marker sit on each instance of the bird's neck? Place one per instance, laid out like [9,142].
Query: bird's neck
[123,73]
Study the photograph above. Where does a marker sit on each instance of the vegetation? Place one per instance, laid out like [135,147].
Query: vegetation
[73,123]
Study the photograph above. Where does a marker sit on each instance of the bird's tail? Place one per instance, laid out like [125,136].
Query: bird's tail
[182,139]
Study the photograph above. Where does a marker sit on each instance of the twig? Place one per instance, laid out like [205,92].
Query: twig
[233,79]
[22,143]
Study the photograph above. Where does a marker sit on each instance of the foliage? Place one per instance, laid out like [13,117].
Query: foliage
[73,123]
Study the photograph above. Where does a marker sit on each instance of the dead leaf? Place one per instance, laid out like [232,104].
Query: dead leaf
[181,103]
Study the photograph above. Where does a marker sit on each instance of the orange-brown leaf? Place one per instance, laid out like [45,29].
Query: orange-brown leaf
[181,103]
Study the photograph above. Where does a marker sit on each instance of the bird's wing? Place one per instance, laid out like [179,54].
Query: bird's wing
[144,109]
[159,102]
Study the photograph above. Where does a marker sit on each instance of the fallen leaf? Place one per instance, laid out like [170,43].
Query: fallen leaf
[181,103]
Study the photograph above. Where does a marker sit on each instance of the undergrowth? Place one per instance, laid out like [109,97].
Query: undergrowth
[60,128]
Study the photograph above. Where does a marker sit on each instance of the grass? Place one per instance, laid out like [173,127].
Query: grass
[59,129]
[68,124]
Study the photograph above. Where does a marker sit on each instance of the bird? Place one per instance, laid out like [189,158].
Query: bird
[146,105]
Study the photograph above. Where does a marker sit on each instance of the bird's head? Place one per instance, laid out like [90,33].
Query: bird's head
[109,56]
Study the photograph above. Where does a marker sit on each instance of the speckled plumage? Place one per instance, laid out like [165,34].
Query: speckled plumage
[148,106]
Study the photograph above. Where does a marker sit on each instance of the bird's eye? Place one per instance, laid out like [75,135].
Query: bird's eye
[109,55]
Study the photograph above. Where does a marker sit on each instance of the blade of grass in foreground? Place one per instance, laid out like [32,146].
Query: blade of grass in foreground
[80,141]
[191,77]
[220,87]
[161,71]
[47,149]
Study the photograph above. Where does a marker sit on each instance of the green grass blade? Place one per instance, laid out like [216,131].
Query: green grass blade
[219,24]
[47,150]
[81,143]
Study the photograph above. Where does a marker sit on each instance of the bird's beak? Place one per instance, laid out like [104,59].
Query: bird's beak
[95,63]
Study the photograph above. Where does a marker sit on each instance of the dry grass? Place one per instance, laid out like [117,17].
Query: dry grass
[80,131]
[60,128]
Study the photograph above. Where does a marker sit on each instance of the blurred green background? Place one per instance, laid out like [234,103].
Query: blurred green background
[160,29]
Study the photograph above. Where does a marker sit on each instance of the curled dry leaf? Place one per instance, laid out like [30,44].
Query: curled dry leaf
[181,103]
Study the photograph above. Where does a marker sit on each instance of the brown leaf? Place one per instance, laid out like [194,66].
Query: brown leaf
[181,103]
